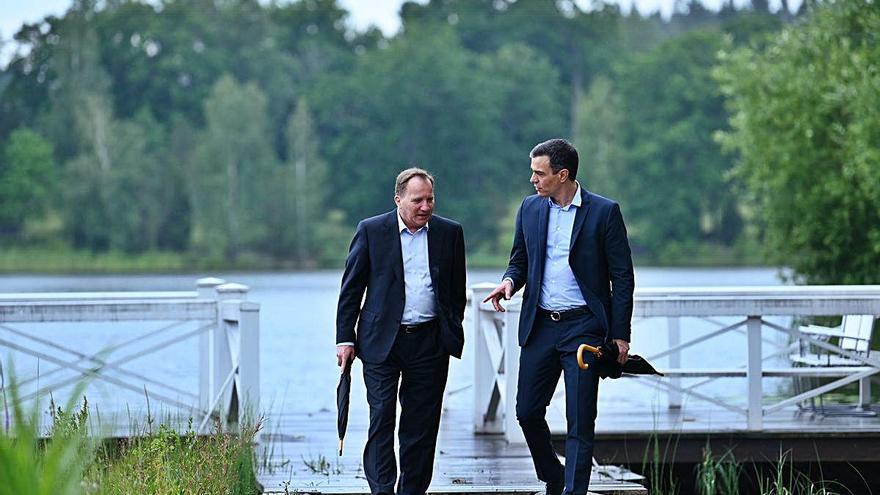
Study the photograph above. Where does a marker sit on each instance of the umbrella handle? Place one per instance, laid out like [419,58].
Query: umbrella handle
[580,354]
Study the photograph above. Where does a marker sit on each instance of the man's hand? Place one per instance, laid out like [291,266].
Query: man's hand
[505,290]
[344,356]
[623,346]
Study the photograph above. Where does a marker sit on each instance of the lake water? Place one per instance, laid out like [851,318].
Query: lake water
[298,364]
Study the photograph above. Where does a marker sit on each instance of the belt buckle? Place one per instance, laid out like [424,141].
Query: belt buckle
[410,329]
[555,315]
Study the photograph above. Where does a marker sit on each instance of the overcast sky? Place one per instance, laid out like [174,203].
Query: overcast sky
[382,13]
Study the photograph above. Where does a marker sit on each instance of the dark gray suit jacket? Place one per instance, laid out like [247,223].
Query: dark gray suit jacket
[375,266]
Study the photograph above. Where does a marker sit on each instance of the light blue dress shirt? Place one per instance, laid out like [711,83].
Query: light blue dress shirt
[419,306]
[559,288]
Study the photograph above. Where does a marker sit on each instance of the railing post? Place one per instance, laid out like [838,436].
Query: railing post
[249,360]
[674,337]
[512,431]
[754,374]
[865,392]
[206,290]
[484,374]
[224,356]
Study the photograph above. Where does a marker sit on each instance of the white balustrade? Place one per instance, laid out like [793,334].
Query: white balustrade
[226,324]
[496,353]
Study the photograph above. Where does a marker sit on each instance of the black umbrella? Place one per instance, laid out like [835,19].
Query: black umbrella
[343,391]
[607,365]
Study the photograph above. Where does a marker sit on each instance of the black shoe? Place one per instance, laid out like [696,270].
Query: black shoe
[555,488]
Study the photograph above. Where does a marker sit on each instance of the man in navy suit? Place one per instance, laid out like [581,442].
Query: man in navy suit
[571,252]
[411,265]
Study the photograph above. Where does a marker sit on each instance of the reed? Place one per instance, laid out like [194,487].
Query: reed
[73,459]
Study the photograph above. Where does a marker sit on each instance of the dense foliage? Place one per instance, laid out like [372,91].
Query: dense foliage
[235,129]
[806,126]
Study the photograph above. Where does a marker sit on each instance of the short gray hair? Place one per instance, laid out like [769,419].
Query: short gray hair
[406,175]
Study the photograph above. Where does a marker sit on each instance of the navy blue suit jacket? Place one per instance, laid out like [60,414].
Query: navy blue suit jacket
[600,259]
[375,266]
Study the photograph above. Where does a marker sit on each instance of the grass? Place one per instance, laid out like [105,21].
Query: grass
[656,467]
[60,259]
[36,467]
[718,476]
[167,462]
[15,259]
[72,460]
[724,475]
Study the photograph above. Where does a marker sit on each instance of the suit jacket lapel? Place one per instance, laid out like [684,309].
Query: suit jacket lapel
[579,217]
[543,217]
[434,243]
[394,244]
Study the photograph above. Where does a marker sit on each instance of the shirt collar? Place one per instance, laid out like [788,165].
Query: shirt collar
[575,201]
[402,226]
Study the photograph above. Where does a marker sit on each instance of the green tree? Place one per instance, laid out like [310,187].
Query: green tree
[298,202]
[136,201]
[599,122]
[672,175]
[532,108]
[27,180]
[232,165]
[422,101]
[806,123]
[578,44]
[86,196]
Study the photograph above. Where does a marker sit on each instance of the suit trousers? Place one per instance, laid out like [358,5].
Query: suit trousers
[551,350]
[417,366]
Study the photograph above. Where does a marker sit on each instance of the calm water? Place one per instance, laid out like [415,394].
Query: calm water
[298,363]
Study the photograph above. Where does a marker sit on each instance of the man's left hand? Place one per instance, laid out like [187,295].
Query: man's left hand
[623,347]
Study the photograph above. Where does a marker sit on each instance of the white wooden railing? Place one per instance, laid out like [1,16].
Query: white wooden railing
[217,313]
[496,351]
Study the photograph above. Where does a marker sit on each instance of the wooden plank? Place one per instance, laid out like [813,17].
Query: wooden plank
[819,371]
[107,310]
[299,453]
[94,296]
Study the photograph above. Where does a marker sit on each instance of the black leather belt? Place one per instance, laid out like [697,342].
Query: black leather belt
[417,327]
[564,315]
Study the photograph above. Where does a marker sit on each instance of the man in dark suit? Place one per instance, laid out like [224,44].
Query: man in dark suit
[571,252]
[411,265]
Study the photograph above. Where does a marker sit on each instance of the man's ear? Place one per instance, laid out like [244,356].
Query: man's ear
[563,175]
[397,200]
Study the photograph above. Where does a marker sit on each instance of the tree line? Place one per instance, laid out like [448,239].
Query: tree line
[232,128]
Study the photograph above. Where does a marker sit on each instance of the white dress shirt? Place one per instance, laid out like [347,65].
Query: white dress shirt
[559,288]
[420,305]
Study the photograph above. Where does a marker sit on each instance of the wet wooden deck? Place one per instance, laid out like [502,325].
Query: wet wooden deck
[298,450]
[298,454]
[806,436]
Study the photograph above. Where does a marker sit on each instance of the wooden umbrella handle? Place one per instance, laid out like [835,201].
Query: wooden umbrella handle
[580,354]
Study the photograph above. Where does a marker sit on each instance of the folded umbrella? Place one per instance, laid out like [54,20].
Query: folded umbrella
[607,365]
[343,393]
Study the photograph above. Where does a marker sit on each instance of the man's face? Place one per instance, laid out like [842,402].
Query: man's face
[545,181]
[416,204]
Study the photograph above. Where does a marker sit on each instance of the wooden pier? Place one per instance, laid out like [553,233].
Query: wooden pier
[298,454]
[480,447]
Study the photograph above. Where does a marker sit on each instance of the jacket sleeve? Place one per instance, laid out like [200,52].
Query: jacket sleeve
[620,272]
[354,283]
[518,266]
[459,276]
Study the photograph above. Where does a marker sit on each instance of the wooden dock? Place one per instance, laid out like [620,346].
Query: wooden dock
[622,436]
[297,451]
[298,454]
